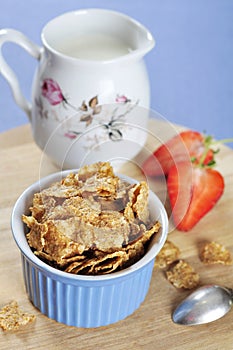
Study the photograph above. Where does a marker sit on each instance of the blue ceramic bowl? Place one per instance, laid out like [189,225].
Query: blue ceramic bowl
[85,301]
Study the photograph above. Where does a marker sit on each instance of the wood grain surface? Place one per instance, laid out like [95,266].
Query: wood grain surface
[150,327]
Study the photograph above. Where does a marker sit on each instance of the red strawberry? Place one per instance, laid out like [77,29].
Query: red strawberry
[193,191]
[188,144]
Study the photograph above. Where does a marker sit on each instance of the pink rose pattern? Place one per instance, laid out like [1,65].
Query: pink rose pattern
[122,99]
[51,91]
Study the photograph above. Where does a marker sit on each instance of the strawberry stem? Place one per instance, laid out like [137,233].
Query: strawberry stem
[223,141]
[208,142]
[203,157]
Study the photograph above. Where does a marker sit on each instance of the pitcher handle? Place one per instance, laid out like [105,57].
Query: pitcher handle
[11,35]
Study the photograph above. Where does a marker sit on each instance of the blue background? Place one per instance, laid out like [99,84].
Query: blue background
[190,68]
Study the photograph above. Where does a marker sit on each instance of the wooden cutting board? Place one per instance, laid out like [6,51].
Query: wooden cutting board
[150,327]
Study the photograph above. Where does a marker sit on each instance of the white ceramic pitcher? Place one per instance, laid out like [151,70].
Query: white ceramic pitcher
[89,84]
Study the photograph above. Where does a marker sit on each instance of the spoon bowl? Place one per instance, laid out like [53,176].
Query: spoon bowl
[206,304]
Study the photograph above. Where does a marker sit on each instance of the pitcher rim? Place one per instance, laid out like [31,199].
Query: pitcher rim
[134,54]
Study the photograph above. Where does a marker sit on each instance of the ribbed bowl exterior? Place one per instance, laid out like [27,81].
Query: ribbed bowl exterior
[86,303]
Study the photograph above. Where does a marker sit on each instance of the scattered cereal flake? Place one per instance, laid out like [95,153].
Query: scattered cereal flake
[182,275]
[12,317]
[215,253]
[167,255]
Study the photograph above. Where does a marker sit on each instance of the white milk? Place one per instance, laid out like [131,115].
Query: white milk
[95,47]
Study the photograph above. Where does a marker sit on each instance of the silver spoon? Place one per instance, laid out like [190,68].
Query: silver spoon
[206,304]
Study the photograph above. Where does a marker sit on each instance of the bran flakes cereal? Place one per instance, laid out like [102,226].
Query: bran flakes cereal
[12,317]
[215,253]
[91,222]
[167,255]
[182,275]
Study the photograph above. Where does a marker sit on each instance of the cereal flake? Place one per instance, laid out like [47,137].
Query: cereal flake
[182,275]
[167,255]
[12,317]
[215,253]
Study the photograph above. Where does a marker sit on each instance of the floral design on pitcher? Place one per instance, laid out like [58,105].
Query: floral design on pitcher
[90,110]
[122,99]
[52,92]
[88,113]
